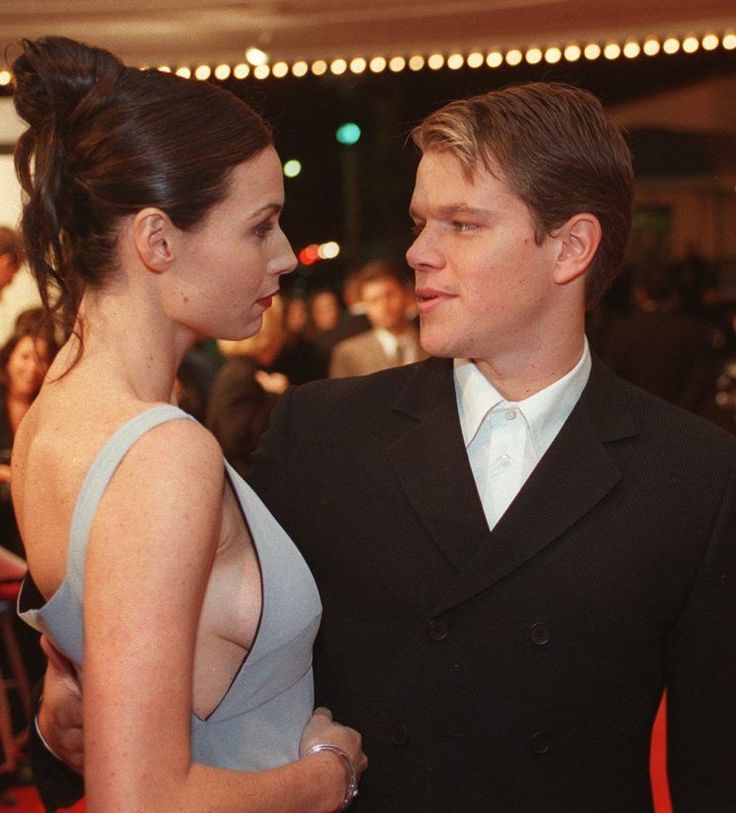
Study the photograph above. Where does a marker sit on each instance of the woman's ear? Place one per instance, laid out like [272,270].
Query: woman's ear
[581,236]
[153,234]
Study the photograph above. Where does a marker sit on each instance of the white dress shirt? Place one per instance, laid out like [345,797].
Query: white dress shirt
[506,439]
[390,343]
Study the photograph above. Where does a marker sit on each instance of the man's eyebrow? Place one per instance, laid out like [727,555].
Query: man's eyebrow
[456,210]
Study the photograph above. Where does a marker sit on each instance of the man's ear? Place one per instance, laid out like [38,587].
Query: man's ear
[581,236]
[153,234]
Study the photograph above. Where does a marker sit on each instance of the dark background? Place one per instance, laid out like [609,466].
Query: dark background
[358,195]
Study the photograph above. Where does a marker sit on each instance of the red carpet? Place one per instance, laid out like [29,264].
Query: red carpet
[657,763]
[27,800]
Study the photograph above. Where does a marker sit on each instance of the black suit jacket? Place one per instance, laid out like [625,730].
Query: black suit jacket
[518,670]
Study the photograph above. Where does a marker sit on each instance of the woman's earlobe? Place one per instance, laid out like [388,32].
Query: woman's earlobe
[152,235]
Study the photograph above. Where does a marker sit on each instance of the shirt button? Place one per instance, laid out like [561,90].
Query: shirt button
[509,414]
[399,734]
[438,629]
[539,634]
[505,460]
[540,743]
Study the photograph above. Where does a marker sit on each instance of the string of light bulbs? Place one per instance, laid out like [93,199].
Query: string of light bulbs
[533,55]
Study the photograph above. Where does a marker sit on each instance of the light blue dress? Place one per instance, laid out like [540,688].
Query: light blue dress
[259,721]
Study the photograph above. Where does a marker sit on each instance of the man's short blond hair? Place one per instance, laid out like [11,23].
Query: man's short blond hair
[556,148]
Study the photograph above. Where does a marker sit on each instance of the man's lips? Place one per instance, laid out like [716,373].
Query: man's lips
[429,298]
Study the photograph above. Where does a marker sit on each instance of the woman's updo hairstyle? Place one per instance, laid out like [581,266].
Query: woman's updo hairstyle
[105,141]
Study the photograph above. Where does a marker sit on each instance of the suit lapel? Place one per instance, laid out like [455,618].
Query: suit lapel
[573,476]
[432,466]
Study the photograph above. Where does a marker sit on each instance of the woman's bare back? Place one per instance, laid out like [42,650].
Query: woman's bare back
[57,443]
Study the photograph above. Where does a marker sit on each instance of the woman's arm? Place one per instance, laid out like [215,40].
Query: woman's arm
[148,561]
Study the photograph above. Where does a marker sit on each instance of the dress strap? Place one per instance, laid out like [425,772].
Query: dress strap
[100,473]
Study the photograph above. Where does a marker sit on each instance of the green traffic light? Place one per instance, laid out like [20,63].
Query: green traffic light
[348,133]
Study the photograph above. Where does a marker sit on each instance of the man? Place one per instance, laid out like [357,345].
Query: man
[658,347]
[392,340]
[516,550]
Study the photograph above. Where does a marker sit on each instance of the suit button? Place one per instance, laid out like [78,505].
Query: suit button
[540,743]
[438,629]
[539,634]
[399,734]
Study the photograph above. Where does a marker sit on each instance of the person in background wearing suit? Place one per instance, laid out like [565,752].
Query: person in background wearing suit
[393,340]
[516,550]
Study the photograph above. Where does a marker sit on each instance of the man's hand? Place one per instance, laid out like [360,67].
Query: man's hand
[60,713]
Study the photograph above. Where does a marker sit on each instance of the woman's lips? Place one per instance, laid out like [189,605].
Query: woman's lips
[265,301]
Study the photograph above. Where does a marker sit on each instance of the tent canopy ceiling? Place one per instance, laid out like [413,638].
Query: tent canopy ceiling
[211,31]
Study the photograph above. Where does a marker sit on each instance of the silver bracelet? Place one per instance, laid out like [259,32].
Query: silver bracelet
[352,789]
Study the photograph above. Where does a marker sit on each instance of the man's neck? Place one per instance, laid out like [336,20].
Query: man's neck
[517,379]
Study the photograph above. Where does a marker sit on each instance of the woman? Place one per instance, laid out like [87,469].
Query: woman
[245,390]
[24,360]
[154,228]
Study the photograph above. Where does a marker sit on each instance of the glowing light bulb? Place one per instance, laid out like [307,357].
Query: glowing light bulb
[292,168]
[514,56]
[690,45]
[710,42]
[329,250]
[256,56]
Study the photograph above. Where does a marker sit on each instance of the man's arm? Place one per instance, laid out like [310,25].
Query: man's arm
[59,716]
[701,680]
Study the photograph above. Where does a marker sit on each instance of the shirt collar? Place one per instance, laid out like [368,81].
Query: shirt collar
[387,340]
[545,412]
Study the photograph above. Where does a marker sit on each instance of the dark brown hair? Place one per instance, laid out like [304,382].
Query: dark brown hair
[556,148]
[105,141]
[379,269]
[6,351]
